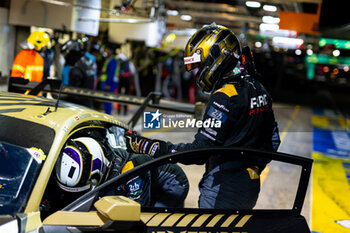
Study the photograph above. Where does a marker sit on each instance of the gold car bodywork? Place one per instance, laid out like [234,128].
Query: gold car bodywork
[64,120]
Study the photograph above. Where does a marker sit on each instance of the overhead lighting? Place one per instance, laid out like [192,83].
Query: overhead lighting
[253,4]
[270,8]
[172,12]
[258,44]
[268,27]
[336,53]
[186,17]
[184,32]
[117,20]
[298,52]
[309,52]
[285,42]
[60,3]
[270,19]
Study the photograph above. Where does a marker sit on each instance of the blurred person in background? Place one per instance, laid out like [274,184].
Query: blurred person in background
[145,60]
[79,70]
[126,78]
[95,51]
[72,51]
[28,63]
[89,60]
[47,54]
[110,74]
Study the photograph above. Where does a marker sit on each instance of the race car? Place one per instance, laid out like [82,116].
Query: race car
[33,133]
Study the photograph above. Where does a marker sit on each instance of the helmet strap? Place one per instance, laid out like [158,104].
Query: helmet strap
[74,189]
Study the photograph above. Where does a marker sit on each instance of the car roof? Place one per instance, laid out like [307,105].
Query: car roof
[42,110]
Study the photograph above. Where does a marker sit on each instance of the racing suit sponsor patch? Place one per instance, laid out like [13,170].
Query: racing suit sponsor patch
[258,104]
[207,135]
[211,131]
[144,148]
[221,106]
[218,115]
[154,148]
[134,187]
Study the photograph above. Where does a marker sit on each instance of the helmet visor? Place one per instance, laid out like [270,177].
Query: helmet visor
[192,62]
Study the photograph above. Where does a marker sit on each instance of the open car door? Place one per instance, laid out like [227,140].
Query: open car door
[94,213]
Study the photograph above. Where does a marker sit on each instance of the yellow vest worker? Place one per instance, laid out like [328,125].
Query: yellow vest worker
[28,63]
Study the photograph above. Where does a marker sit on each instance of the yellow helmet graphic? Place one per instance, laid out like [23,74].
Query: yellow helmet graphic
[215,50]
[38,40]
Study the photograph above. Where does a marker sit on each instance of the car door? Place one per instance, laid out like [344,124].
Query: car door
[93,212]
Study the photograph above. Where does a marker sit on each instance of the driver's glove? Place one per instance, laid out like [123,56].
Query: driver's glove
[141,145]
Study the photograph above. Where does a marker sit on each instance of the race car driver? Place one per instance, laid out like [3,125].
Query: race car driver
[88,161]
[244,108]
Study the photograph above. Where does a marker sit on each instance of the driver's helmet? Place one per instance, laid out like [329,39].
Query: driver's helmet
[81,165]
[215,50]
[38,40]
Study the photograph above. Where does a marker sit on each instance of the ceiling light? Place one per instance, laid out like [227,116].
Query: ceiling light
[60,3]
[253,4]
[309,52]
[268,27]
[286,42]
[270,19]
[336,53]
[186,17]
[258,44]
[172,12]
[298,52]
[270,8]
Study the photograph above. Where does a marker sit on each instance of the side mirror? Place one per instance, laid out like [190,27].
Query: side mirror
[119,208]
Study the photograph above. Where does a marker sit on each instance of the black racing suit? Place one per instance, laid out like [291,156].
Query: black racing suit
[244,108]
[164,186]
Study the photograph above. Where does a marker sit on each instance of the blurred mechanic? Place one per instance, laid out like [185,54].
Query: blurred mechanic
[244,108]
[28,63]
[79,69]
[72,51]
[110,74]
[126,77]
[88,161]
